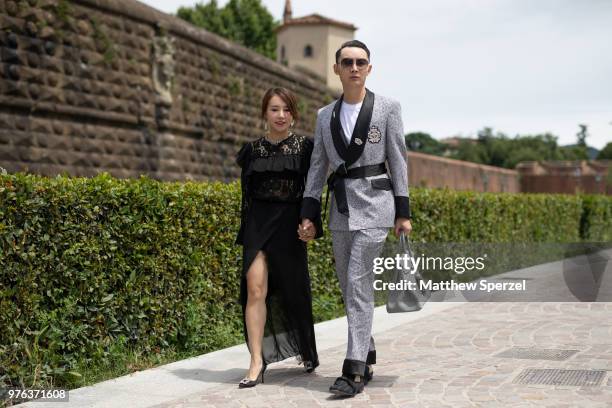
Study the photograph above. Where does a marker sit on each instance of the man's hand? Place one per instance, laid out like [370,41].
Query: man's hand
[402,224]
[306,230]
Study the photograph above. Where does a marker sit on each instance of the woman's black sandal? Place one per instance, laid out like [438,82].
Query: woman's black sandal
[248,383]
[308,365]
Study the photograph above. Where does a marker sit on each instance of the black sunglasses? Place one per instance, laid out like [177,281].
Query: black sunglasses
[348,62]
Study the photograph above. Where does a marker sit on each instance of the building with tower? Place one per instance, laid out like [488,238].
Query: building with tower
[309,44]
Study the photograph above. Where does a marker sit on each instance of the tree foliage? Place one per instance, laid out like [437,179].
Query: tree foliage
[497,149]
[606,152]
[247,22]
[582,135]
[423,143]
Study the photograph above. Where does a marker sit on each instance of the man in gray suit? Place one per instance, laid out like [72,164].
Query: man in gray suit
[360,136]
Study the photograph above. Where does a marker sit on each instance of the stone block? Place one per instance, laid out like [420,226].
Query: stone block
[7,154]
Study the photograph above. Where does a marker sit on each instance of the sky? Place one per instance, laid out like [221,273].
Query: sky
[456,66]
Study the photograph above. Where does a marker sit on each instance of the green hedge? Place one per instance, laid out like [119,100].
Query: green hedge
[86,264]
[596,220]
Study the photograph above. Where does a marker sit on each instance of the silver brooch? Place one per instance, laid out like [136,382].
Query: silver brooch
[374,135]
[358,141]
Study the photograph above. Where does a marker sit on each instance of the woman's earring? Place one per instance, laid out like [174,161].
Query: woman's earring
[292,123]
[266,126]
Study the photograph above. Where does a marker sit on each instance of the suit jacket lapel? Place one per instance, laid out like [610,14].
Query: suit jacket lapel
[336,131]
[353,151]
[360,133]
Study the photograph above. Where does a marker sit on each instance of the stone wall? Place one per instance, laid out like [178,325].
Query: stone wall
[425,170]
[566,177]
[102,85]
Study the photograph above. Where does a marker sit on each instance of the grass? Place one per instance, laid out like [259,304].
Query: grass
[124,358]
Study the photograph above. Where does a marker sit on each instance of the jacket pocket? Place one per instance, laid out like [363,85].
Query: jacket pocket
[382,184]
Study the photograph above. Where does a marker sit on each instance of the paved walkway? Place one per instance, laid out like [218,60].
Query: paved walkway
[446,355]
[449,360]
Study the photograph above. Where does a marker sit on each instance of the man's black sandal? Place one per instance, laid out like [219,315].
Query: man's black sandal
[347,387]
[369,372]
[351,382]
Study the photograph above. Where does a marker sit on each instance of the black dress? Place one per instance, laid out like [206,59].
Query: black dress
[273,179]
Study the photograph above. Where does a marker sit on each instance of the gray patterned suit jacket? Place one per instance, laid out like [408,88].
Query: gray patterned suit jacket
[375,201]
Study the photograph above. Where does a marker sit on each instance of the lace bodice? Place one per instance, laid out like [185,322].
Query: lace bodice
[277,172]
[274,172]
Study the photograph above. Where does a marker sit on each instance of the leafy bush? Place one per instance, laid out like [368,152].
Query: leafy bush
[92,266]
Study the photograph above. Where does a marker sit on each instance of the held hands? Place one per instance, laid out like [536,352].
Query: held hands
[306,230]
[402,224]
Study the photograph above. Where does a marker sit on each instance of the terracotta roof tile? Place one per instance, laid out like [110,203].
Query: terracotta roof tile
[313,19]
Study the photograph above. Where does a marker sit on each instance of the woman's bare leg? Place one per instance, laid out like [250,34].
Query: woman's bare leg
[255,313]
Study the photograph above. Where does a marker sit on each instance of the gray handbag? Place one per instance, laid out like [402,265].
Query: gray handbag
[407,300]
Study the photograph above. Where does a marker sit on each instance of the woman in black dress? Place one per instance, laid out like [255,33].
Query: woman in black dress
[275,285]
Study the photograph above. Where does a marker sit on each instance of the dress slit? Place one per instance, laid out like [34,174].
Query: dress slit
[288,330]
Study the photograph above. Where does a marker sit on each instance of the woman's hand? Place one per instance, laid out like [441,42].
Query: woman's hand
[306,230]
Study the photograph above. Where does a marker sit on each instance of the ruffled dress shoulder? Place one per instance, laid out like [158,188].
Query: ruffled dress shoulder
[244,154]
[291,154]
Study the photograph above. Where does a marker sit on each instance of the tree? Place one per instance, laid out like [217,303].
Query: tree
[423,143]
[485,133]
[473,152]
[544,147]
[500,150]
[206,16]
[582,135]
[605,153]
[575,152]
[247,22]
[521,154]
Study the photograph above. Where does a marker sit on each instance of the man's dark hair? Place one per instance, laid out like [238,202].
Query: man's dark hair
[352,43]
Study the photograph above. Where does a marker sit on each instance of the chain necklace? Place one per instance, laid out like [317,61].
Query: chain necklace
[275,142]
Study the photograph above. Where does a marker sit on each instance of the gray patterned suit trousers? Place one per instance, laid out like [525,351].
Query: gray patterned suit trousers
[354,252]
